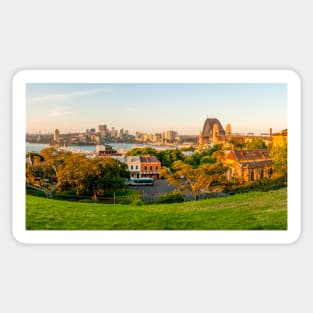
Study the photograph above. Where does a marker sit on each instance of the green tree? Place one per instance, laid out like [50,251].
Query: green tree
[207,159]
[205,156]
[110,175]
[279,157]
[142,151]
[256,144]
[168,157]
[74,171]
[194,179]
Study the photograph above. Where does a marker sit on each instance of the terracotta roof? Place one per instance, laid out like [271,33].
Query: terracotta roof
[251,158]
[251,155]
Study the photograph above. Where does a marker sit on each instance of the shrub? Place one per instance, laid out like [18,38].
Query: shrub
[137,202]
[171,197]
[264,184]
[128,199]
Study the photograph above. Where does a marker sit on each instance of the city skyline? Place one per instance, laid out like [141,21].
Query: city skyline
[154,108]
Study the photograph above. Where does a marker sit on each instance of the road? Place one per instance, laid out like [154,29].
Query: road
[151,192]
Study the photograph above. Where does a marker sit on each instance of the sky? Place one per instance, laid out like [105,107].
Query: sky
[153,107]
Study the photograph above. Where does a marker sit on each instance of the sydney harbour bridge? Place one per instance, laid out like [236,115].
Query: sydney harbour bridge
[213,132]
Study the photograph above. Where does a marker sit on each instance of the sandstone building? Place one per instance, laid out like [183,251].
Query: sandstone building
[249,165]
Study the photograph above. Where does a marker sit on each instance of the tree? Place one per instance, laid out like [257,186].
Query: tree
[205,156]
[279,155]
[168,157]
[35,168]
[73,171]
[194,179]
[110,175]
[256,144]
[142,151]
[34,157]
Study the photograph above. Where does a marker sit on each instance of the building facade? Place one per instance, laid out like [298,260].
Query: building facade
[249,165]
[149,166]
[141,166]
[56,135]
[133,165]
[280,139]
[106,151]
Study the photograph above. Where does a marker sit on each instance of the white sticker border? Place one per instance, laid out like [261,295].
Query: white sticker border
[156,76]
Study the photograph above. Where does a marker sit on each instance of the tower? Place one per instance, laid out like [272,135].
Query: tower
[215,134]
[228,131]
[206,136]
[56,135]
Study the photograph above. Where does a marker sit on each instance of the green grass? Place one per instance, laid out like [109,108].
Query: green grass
[249,211]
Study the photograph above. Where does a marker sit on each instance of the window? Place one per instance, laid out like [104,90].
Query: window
[252,175]
[270,172]
[136,167]
[150,168]
[131,167]
[145,168]
[156,168]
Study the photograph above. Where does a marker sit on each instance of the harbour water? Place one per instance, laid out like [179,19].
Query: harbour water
[122,147]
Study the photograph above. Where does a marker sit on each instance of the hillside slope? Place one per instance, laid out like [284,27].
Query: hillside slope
[253,210]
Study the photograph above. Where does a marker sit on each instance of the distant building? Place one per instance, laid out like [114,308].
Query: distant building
[56,135]
[249,165]
[169,135]
[228,131]
[121,133]
[103,130]
[114,132]
[106,151]
[95,138]
[280,139]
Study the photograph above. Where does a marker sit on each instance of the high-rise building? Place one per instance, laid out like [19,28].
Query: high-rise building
[103,130]
[169,135]
[56,135]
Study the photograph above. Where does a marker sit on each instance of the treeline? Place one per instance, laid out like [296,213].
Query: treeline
[169,157]
[68,172]
[200,172]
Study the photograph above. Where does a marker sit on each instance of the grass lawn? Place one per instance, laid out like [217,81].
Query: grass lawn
[253,210]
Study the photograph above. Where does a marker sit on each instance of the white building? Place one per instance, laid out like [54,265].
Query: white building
[133,164]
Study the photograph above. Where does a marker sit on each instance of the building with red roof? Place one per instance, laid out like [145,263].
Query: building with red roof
[149,166]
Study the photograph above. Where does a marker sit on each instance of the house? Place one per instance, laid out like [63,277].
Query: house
[149,166]
[106,151]
[133,164]
[249,165]
[141,166]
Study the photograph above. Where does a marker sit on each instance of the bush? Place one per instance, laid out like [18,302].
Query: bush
[128,199]
[264,184]
[137,202]
[34,192]
[171,197]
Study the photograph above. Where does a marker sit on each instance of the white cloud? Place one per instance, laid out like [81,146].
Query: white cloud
[66,96]
[56,112]
[132,110]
